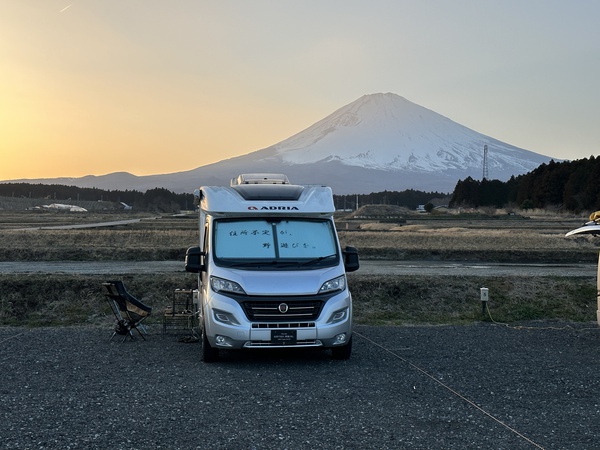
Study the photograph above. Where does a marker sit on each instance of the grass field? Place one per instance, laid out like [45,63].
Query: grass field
[62,299]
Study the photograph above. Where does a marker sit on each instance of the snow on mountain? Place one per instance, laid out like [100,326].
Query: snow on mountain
[388,132]
[378,142]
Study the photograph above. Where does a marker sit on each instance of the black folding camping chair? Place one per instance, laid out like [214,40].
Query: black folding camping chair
[128,310]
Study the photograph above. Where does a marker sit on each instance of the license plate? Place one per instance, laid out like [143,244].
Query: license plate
[283,337]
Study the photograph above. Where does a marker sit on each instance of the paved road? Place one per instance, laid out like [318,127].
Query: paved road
[91,267]
[475,268]
[429,268]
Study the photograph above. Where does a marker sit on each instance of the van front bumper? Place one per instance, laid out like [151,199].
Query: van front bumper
[246,334]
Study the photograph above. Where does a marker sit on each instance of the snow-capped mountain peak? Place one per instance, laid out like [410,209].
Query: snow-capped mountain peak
[388,132]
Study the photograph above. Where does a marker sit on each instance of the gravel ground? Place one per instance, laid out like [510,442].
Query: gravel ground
[421,387]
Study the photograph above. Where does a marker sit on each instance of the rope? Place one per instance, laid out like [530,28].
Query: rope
[453,391]
[522,327]
[11,337]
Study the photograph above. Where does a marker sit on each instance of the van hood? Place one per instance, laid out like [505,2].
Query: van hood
[299,282]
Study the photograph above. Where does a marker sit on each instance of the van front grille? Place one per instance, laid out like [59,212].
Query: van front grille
[279,310]
[276,326]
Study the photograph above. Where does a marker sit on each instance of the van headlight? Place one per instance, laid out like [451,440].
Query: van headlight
[221,284]
[336,284]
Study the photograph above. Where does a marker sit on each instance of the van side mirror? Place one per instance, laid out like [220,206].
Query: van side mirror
[351,259]
[193,260]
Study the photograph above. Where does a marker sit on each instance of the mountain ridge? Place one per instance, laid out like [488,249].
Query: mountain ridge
[378,142]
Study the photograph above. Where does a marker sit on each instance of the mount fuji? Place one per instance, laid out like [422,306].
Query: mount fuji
[378,142]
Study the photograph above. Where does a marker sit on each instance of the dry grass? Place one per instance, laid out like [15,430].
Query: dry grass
[420,238]
[74,299]
[166,238]
[380,300]
[151,239]
[62,299]
[531,240]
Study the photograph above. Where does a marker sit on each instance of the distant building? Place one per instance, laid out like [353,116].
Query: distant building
[63,207]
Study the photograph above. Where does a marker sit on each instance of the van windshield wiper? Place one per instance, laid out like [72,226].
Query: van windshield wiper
[261,264]
[276,263]
[319,259]
[244,264]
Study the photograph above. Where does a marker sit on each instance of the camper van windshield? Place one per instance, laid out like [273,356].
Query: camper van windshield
[302,241]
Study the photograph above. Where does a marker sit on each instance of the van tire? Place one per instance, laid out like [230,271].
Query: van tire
[208,354]
[343,352]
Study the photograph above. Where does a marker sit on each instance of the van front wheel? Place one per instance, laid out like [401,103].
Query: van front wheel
[208,354]
[343,352]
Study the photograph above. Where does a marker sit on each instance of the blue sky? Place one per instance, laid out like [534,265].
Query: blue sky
[148,86]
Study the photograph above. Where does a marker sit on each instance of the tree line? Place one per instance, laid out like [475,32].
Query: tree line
[568,185]
[157,199]
[163,200]
[409,198]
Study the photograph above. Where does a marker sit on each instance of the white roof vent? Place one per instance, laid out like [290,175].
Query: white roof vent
[260,178]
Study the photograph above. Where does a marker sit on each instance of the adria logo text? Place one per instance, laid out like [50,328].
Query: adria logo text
[273,208]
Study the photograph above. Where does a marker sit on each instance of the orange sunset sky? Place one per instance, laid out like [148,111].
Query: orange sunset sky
[148,86]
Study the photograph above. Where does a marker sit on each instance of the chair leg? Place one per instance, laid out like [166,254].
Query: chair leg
[139,332]
[129,332]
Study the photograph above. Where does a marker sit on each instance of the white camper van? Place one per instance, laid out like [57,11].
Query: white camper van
[271,273]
